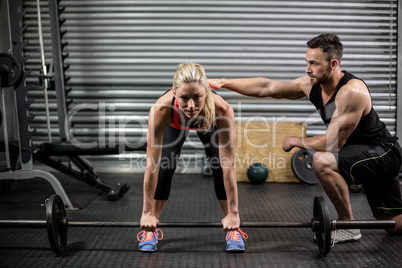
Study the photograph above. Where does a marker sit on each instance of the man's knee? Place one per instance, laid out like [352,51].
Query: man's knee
[324,163]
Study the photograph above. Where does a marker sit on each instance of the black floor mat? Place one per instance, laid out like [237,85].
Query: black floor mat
[192,199]
[79,193]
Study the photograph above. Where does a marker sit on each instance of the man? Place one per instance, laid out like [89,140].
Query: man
[356,149]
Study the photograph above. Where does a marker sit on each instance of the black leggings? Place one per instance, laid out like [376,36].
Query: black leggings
[172,143]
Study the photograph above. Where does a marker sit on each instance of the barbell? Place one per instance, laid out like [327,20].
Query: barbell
[57,224]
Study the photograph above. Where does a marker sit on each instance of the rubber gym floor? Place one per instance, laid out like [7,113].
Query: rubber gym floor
[192,199]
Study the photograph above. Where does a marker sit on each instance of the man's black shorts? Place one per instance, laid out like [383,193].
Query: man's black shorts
[377,169]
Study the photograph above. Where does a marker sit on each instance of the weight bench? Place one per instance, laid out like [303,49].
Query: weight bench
[52,154]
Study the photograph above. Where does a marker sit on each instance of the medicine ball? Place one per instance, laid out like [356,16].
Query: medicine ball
[257,173]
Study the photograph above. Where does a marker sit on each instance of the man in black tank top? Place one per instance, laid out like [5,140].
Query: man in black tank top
[357,147]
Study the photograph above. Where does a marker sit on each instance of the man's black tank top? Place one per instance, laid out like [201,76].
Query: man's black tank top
[370,130]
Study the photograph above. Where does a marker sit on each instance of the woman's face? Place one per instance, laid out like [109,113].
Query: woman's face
[191,99]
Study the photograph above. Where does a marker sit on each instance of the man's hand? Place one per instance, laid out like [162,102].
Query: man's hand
[215,83]
[289,143]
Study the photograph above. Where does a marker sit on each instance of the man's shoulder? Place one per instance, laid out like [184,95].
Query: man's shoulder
[354,91]
[349,76]
[303,84]
[355,85]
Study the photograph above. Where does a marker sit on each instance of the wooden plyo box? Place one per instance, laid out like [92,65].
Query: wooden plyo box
[261,141]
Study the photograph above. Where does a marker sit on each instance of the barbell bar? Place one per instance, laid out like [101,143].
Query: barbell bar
[42,224]
[335,224]
[57,224]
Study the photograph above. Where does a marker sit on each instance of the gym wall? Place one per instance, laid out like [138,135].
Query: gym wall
[123,54]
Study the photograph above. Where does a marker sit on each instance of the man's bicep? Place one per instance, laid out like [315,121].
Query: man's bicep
[296,89]
[341,127]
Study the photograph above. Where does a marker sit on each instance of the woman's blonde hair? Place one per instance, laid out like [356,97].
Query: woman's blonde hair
[190,72]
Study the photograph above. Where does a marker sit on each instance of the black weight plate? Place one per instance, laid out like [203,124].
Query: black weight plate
[10,70]
[302,166]
[56,220]
[323,235]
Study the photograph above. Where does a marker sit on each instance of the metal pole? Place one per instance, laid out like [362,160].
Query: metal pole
[362,224]
[374,224]
[45,79]
[399,74]
[22,224]
[42,224]
[194,224]
[5,131]
[58,66]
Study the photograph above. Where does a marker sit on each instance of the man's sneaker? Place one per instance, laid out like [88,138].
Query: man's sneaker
[234,241]
[148,240]
[347,235]
[344,235]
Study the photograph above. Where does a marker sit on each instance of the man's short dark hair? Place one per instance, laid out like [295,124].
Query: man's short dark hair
[330,45]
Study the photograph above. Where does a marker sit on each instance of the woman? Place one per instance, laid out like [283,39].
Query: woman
[189,104]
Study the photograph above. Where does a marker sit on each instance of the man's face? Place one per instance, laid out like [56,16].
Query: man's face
[318,68]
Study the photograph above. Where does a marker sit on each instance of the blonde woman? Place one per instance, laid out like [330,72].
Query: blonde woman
[189,104]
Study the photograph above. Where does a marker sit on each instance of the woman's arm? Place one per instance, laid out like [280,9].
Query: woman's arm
[159,118]
[227,138]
